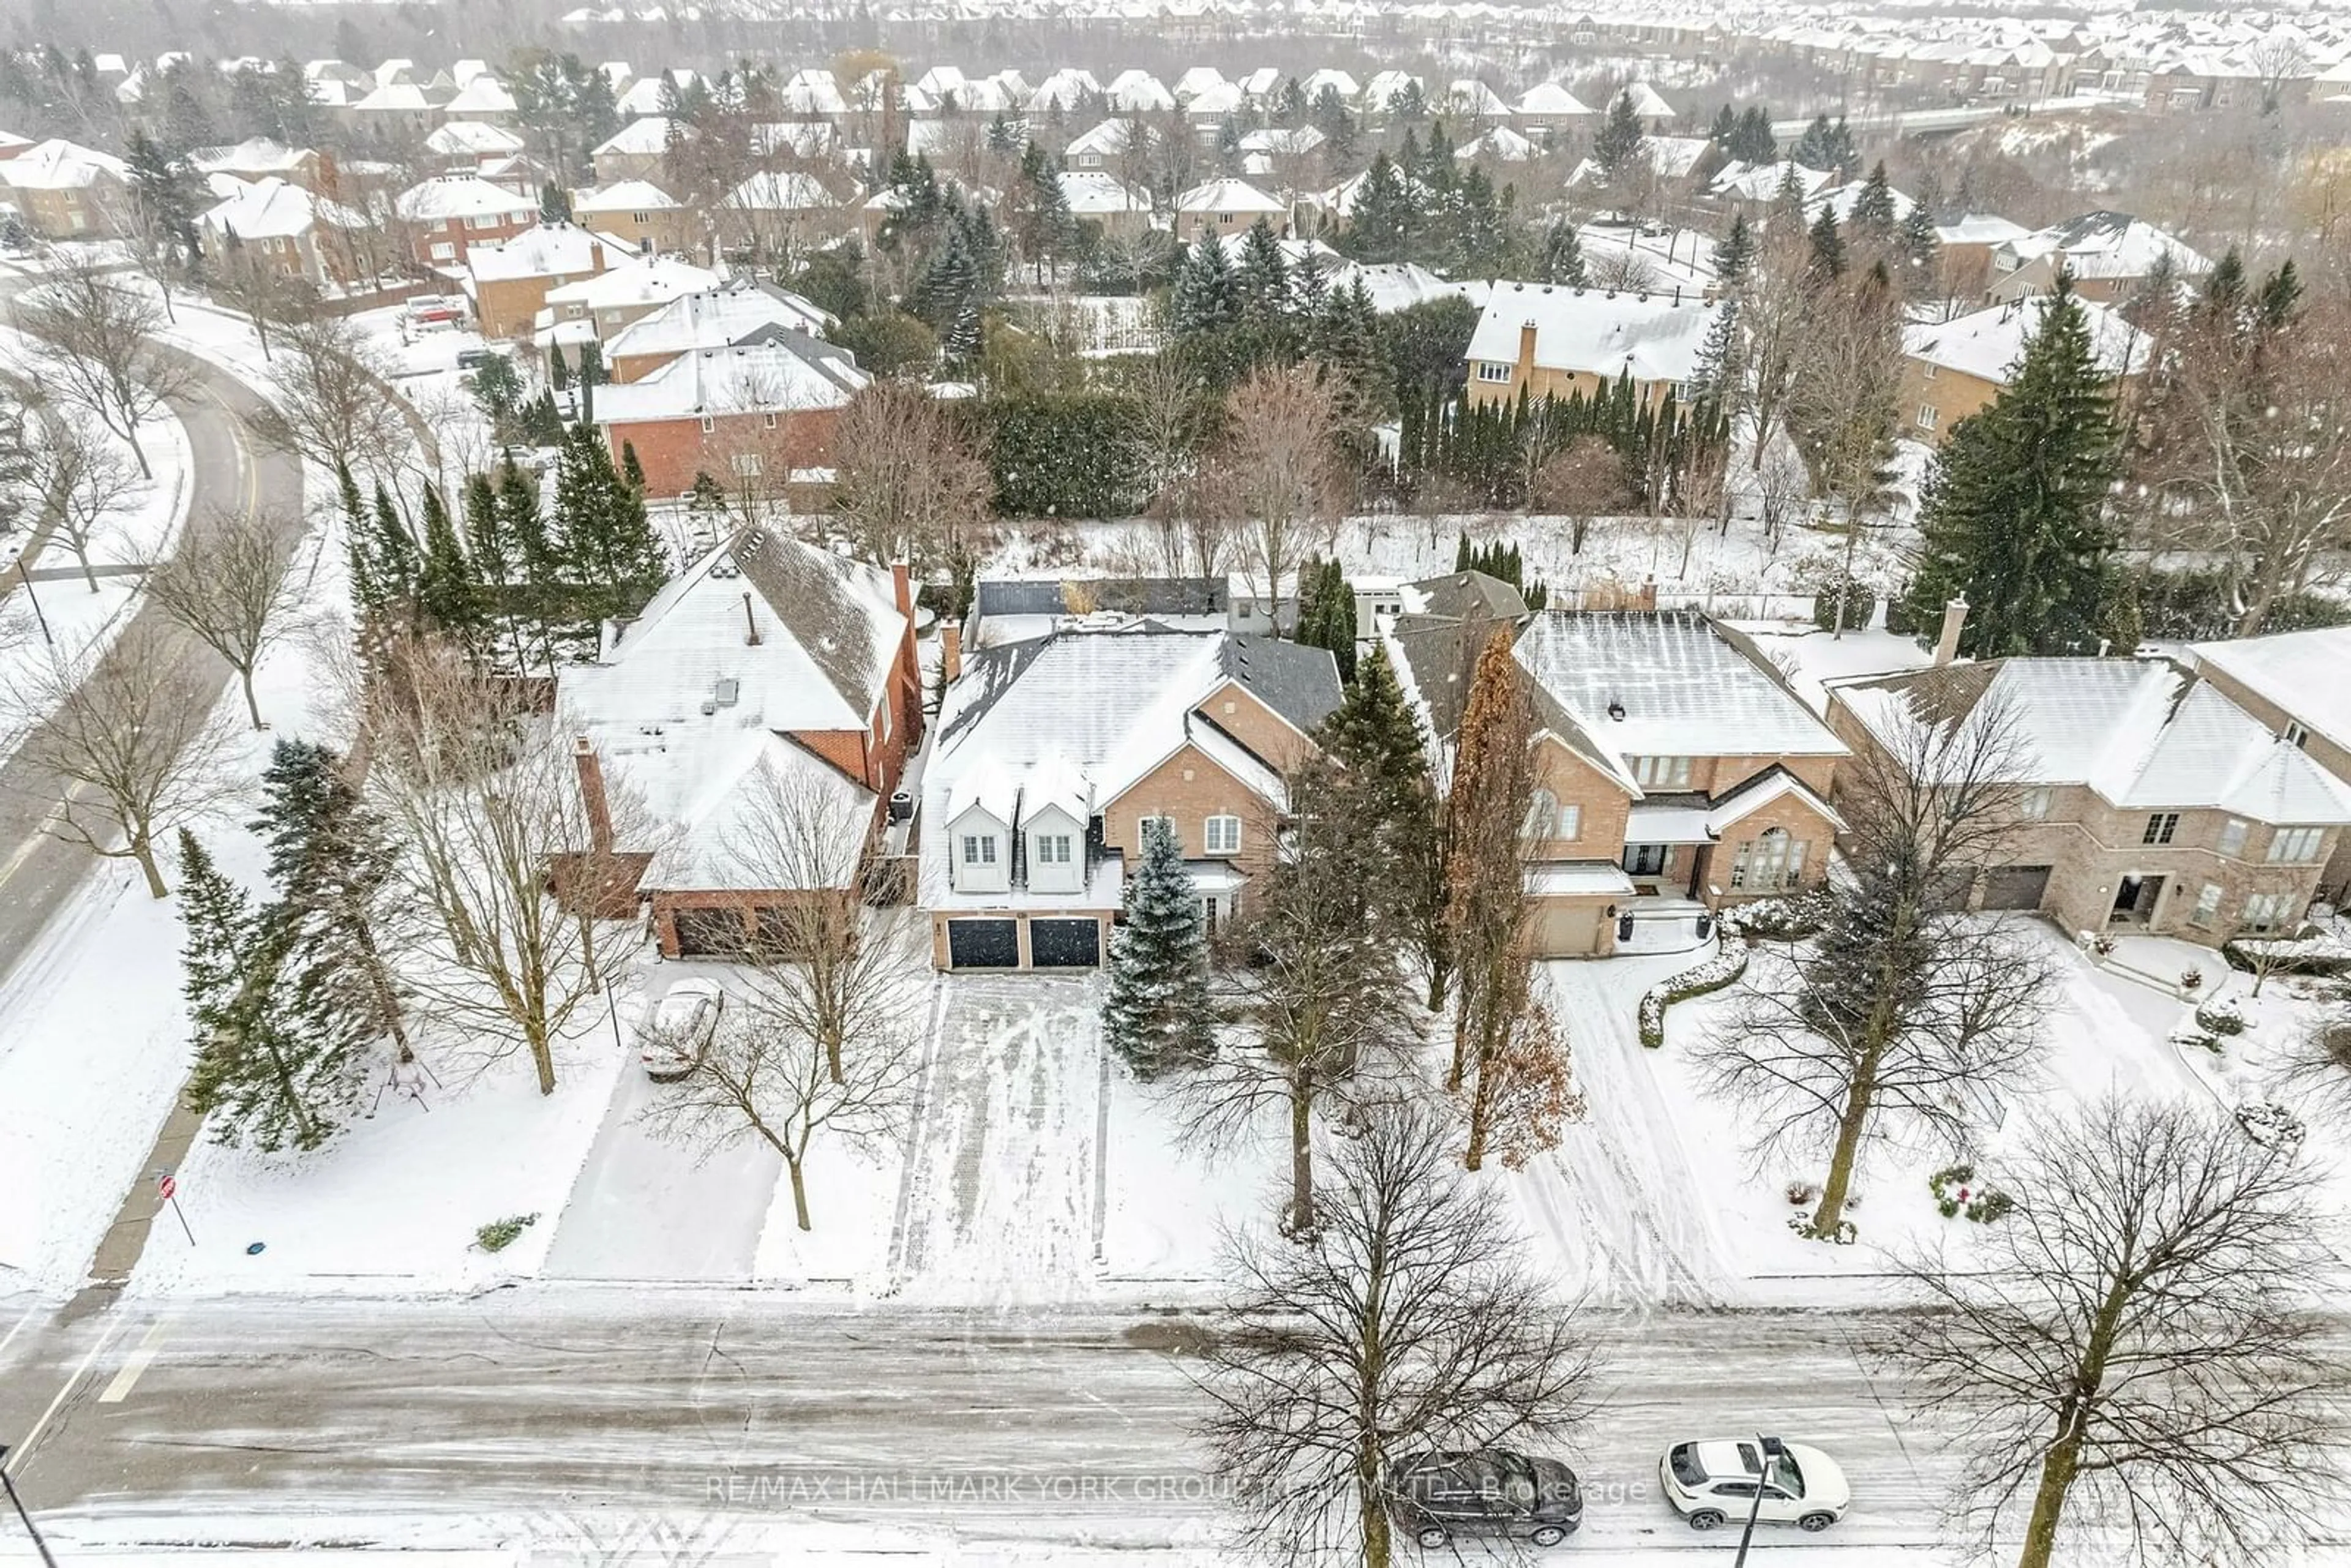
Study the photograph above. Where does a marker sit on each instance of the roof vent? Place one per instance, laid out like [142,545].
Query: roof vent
[1617,710]
[728,691]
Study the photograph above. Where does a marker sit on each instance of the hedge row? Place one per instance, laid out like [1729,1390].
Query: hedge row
[1730,962]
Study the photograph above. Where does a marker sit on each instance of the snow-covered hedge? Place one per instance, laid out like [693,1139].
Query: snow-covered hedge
[2324,950]
[1730,962]
[1788,918]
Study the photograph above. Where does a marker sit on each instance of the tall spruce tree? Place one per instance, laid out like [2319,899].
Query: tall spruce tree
[2014,515]
[1261,282]
[1620,138]
[334,923]
[1561,261]
[1380,220]
[448,592]
[1734,253]
[261,1080]
[1158,1017]
[1204,295]
[1873,215]
[1824,260]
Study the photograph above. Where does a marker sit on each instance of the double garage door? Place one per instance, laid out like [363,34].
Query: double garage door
[2015,886]
[995,944]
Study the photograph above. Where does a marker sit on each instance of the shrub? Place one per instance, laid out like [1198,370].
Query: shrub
[2222,1015]
[1861,600]
[499,1234]
[1956,1194]
[2269,1124]
[1728,961]
[1803,1194]
[1789,918]
[1064,454]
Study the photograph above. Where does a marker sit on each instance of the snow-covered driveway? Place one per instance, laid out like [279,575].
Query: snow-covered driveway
[1619,1200]
[645,1210]
[1000,1196]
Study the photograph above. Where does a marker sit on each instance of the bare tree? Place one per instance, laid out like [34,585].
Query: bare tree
[1774,311]
[1841,401]
[332,401]
[1399,1326]
[230,586]
[490,808]
[758,1075]
[1279,472]
[1322,988]
[2132,1351]
[267,294]
[83,484]
[125,746]
[101,355]
[1910,1011]
[910,485]
[1583,480]
[826,965]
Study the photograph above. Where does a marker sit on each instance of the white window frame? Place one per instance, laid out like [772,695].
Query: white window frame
[770,422]
[1779,867]
[1143,831]
[1662,772]
[1052,849]
[1493,370]
[979,849]
[2295,846]
[746,465]
[2266,913]
[2032,804]
[708,424]
[1929,417]
[1569,824]
[2295,733]
[2208,907]
[1221,835]
[2232,836]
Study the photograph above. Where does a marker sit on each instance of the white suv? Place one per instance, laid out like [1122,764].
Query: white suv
[671,1046]
[1711,1482]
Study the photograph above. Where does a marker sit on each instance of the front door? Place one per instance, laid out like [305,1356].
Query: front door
[1647,860]
[2134,899]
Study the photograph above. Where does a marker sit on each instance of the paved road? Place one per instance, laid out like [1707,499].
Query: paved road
[136,1418]
[230,469]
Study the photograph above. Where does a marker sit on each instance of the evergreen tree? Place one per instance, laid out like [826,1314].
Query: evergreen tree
[2224,290]
[1481,229]
[1824,262]
[1157,1016]
[1326,614]
[1720,369]
[334,923]
[1204,295]
[1380,220]
[1734,254]
[2279,297]
[1465,558]
[1918,240]
[448,592]
[554,204]
[1787,202]
[390,554]
[1753,141]
[632,471]
[522,527]
[1261,282]
[257,1075]
[486,540]
[1562,255]
[1725,127]
[166,195]
[1620,138]
[1873,210]
[2014,515]
[606,540]
[1003,136]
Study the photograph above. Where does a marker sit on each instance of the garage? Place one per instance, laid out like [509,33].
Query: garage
[1566,930]
[983,945]
[1065,944]
[2015,886]
[710,933]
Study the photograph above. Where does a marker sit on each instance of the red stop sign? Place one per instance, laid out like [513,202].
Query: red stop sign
[167,1187]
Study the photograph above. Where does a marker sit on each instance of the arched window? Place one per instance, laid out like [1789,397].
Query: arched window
[1768,863]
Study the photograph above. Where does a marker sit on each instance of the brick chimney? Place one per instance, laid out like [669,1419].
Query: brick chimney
[1955,616]
[593,796]
[902,587]
[1526,368]
[950,649]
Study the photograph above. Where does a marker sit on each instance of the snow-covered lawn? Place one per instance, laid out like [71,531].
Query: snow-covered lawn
[1171,1203]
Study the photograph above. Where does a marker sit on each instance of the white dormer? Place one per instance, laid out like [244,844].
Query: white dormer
[1057,851]
[982,808]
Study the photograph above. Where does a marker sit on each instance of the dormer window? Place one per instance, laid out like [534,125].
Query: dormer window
[979,849]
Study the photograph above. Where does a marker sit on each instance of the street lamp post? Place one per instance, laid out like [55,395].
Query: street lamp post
[10,1486]
[1772,1449]
[35,599]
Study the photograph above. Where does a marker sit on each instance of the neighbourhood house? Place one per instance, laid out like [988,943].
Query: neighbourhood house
[762,414]
[638,151]
[770,665]
[2108,255]
[1122,210]
[1963,250]
[465,145]
[259,158]
[738,315]
[1952,369]
[1226,206]
[1540,340]
[1675,773]
[637,211]
[282,225]
[447,215]
[626,292]
[1053,753]
[64,190]
[509,280]
[2147,799]
[2294,686]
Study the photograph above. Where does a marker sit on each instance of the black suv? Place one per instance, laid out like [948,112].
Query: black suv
[1488,1491]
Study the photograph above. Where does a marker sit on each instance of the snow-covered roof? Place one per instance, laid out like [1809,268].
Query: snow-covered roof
[549,250]
[1647,103]
[394,97]
[1283,141]
[1394,286]
[1107,140]
[1092,192]
[1843,198]
[1979,228]
[1229,195]
[1761,182]
[1331,76]
[2104,245]
[728,785]
[57,165]
[784,372]
[645,138]
[645,280]
[812,91]
[273,209]
[472,139]
[1502,144]
[1988,343]
[254,156]
[1197,81]
[459,197]
[781,191]
[623,196]
[1549,101]
[1471,96]
[2307,673]
[481,95]
[1139,92]
[1064,88]
[2143,734]
[1654,337]
[741,312]
[1684,690]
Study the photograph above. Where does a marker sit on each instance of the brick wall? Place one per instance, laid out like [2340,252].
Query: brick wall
[673,450]
[505,306]
[457,238]
[2335,760]
[1234,709]
[1793,815]
[1191,788]
[1602,806]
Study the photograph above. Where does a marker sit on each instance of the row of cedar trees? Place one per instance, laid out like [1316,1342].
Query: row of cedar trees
[1375,863]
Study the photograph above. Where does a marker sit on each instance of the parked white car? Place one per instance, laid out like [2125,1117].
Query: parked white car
[1712,1483]
[671,1045]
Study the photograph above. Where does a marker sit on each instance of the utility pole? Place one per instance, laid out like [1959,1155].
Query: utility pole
[10,1486]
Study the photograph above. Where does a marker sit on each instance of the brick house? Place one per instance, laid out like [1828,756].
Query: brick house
[2109,255]
[625,293]
[257,158]
[1952,369]
[447,215]
[2149,800]
[762,412]
[638,151]
[637,212]
[2292,684]
[1676,773]
[1228,206]
[509,280]
[64,190]
[297,233]
[768,658]
[1546,340]
[1051,753]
